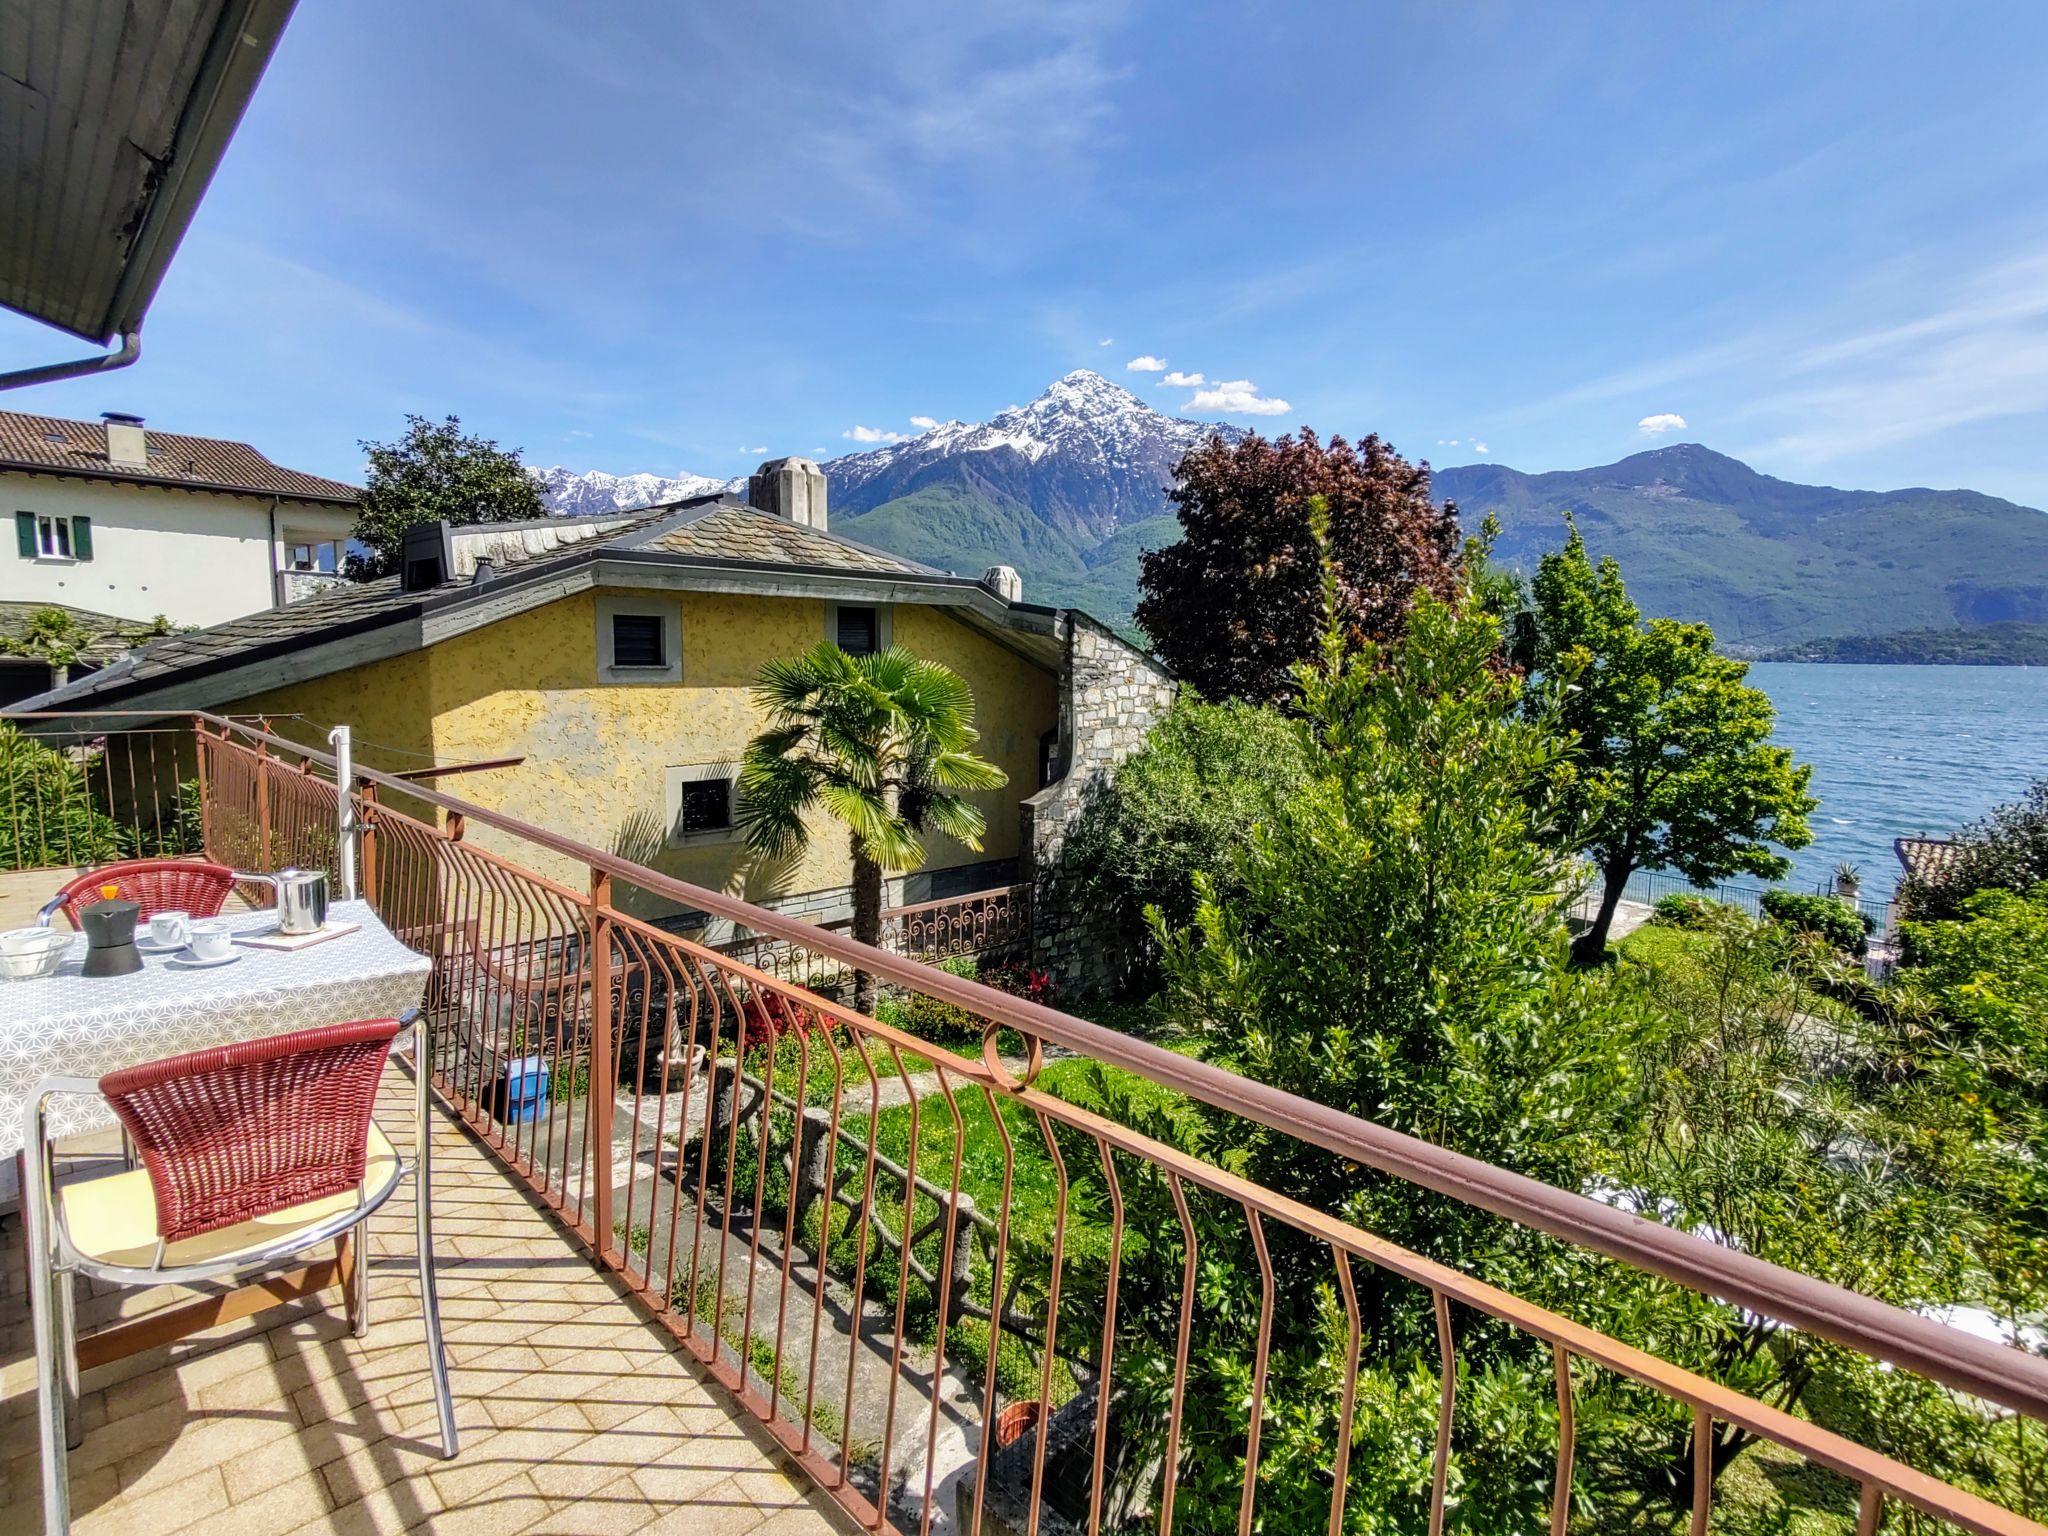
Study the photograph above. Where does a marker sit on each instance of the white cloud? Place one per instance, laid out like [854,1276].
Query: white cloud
[861,434]
[576,432]
[1146,364]
[1107,341]
[1447,442]
[1659,424]
[1479,448]
[926,422]
[1238,397]
[1179,380]
[754,450]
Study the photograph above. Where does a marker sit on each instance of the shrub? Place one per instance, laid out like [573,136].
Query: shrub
[1840,924]
[1019,980]
[1682,909]
[49,818]
[1184,804]
[941,1023]
[768,1016]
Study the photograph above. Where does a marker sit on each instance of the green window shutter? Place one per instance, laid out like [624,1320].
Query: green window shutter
[81,538]
[25,534]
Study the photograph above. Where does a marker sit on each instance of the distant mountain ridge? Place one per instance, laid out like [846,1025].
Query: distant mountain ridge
[1770,562]
[1071,490]
[572,494]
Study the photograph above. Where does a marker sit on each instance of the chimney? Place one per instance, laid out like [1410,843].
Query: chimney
[127,443]
[792,489]
[1004,581]
[426,557]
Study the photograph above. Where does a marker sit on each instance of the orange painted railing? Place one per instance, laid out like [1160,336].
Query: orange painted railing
[760,1164]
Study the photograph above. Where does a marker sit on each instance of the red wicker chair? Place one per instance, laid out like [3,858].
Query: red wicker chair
[255,1153]
[156,885]
[241,1131]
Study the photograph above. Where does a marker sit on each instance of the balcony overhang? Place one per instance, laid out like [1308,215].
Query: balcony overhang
[116,116]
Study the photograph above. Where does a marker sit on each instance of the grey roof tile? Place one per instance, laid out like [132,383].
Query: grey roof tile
[56,445]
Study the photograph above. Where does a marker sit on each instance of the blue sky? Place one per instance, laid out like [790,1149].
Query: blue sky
[666,237]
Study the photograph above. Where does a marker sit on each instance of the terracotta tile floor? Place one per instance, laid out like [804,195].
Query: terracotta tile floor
[577,1414]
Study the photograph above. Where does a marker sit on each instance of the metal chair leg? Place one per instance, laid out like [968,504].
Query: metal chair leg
[423,1232]
[65,1315]
[352,1250]
[53,1373]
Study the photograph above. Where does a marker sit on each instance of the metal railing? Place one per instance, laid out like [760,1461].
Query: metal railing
[78,795]
[294,585]
[992,922]
[1649,886]
[784,1182]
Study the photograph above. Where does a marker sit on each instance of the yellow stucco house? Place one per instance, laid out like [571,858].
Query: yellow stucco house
[611,660]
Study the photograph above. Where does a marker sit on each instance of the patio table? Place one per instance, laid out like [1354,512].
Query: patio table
[68,1024]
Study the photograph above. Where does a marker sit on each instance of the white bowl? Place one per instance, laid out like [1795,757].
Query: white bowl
[26,953]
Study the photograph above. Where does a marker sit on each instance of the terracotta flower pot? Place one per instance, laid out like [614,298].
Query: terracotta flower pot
[1016,1420]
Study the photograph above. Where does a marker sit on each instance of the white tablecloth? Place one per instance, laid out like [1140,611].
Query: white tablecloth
[70,1025]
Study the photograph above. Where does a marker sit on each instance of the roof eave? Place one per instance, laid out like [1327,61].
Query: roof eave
[245,37]
[165,482]
[442,614]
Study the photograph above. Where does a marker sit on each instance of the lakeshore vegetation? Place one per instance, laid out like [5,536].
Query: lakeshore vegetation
[1355,879]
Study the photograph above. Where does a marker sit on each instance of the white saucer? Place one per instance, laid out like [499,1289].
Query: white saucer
[150,946]
[185,960]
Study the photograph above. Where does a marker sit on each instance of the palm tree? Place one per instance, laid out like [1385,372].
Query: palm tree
[882,743]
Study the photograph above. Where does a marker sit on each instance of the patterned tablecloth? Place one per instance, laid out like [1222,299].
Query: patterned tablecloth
[68,1025]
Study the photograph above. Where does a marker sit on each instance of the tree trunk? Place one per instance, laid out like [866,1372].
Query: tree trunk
[867,921]
[1591,946]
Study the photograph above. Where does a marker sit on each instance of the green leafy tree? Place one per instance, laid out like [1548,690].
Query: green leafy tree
[1393,944]
[1675,762]
[883,744]
[436,473]
[1773,1121]
[1186,801]
[1236,603]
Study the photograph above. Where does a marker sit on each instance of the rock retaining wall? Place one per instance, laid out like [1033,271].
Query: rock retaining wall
[1115,693]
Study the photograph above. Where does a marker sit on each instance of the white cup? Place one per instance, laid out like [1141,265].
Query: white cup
[170,928]
[211,940]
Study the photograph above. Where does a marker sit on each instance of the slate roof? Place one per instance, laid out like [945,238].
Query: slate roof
[50,445]
[716,528]
[107,632]
[730,531]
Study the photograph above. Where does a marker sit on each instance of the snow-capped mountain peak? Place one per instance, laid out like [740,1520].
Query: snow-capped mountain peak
[1094,430]
[1087,456]
[570,494]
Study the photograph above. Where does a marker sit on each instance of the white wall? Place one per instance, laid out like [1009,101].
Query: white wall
[196,557]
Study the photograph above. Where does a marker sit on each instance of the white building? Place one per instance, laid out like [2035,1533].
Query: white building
[111,518]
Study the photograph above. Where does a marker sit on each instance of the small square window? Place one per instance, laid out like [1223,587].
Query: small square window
[859,631]
[638,641]
[53,537]
[706,807]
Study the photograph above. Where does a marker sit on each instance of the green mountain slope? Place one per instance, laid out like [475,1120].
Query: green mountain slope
[1768,562]
[958,528]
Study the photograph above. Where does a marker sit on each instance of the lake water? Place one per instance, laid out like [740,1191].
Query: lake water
[1902,751]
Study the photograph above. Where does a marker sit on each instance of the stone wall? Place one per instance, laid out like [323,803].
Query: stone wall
[1115,693]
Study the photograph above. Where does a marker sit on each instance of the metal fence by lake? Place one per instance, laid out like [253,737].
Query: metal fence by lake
[1649,886]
